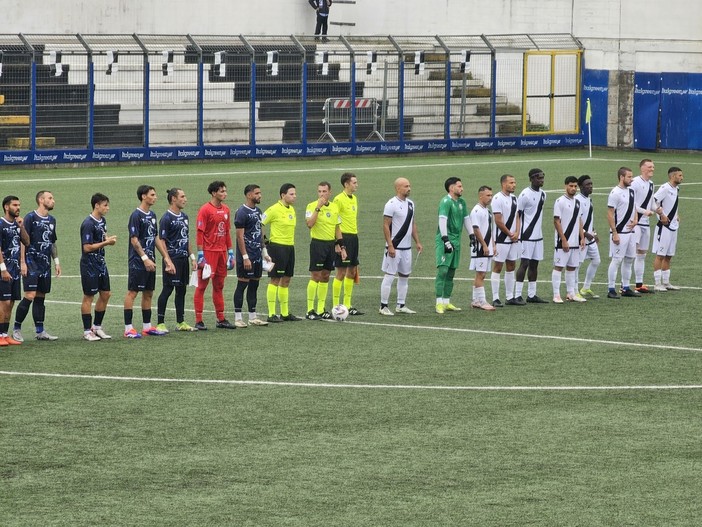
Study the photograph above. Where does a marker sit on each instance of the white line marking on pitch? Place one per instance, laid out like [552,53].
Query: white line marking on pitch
[533,336]
[302,170]
[356,386]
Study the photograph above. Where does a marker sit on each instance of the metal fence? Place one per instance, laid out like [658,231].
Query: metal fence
[228,95]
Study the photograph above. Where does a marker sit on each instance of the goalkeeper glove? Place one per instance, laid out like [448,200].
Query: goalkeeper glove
[231,261]
[448,246]
[201,259]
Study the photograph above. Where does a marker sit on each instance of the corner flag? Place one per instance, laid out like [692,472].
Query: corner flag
[588,112]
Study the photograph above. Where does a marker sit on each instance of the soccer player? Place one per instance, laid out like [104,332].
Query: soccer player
[399,229]
[214,248]
[665,240]
[323,219]
[347,269]
[36,267]
[454,216]
[481,247]
[643,196]
[592,241]
[530,207]
[281,247]
[174,231]
[622,218]
[143,242]
[569,241]
[94,276]
[12,235]
[504,211]
[250,253]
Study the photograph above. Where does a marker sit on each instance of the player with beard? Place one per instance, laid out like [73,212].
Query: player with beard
[36,266]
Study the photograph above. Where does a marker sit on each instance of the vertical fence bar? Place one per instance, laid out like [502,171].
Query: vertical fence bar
[91,102]
[147,87]
[447,104]
[352,75]
[401,99]
[303,106]
[252,103]
[493,94]
[33,108]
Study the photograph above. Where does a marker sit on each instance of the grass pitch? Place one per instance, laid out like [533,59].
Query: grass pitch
[542,415]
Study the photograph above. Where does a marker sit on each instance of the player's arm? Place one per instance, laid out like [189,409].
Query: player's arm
[241,245]
[312,214]
[55,258]
[24,236]
[612,225]
[559,230]
[480,239]
[415,237]
[161,247]
[23,260]
[339,246]
[500,224]
[4,273]
[387,222]
[149,264]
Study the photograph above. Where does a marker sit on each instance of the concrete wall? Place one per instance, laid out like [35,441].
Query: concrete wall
[641,35]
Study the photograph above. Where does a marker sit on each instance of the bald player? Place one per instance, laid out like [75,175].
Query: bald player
[399,229]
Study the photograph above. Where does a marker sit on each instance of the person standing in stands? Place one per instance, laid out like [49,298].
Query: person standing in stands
[322,9]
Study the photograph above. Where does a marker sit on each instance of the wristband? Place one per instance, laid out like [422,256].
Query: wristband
[245,256]
[192,257]
[56,260]
[3,267]
[339,242]
[144,257]
[264,252]
[230,252]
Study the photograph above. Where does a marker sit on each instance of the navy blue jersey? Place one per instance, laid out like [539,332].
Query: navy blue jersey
[42,237]
[10,244]
[250,220]
[93,231]
[142,225]
[174,231]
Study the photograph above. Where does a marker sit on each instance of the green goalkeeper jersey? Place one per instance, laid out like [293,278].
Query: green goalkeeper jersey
[455,211]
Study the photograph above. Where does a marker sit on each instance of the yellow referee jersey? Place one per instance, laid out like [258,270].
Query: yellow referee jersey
[282,220]
[348,210]
[327,220]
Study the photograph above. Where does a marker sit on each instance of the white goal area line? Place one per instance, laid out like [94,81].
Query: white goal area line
[648,387]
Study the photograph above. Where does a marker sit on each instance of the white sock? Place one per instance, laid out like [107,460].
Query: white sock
[556,282]
[657,276]
[531,289]
[665,275]
[509,285]
[495,283]
[386,287]
[402,287]
[626,272]
[639,264]
[570,282]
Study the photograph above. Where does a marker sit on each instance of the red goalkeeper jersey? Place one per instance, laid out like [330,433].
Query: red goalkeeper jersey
[213,226]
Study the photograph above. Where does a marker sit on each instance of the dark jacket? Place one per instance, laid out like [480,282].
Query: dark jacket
[322,6]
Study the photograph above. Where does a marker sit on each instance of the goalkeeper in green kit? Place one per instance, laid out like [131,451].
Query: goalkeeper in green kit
[454,216]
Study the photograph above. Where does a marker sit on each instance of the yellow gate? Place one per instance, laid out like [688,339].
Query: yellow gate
[551,92]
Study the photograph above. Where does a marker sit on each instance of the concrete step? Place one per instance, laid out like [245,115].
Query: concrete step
[214,132]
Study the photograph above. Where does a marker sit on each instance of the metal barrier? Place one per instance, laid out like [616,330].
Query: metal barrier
[338,112]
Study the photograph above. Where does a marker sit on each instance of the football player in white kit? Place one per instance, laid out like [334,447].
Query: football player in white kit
[399,228]
[666,234]
[481,246]
[569,241]
[622,218]
[504,212]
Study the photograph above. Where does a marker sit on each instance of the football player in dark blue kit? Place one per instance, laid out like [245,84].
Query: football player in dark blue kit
[12,237]
[174,230]
[143,242]
[36,268]
[94,276]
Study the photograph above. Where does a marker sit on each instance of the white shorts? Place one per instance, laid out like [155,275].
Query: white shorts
[507,251]
[532,250]
[402,263]
[566,259]
[665,242]
[626,247]
[590,252]
[643,237]
[482,264]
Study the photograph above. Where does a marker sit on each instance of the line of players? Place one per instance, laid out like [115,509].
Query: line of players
[505,227]
[28,247]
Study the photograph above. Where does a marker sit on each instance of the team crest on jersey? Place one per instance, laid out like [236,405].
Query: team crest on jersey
[51,226]
[290,217]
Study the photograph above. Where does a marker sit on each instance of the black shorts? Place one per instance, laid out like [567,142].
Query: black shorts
[322,255]
[351,244]
[10,290]
[283,257]
[34,282]
[181,276]
[93,284]
[140,280]
[255,272]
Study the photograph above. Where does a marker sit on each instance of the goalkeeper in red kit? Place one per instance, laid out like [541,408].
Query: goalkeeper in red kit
[214,253]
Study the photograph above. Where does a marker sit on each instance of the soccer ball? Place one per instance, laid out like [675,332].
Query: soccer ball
[340,312]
